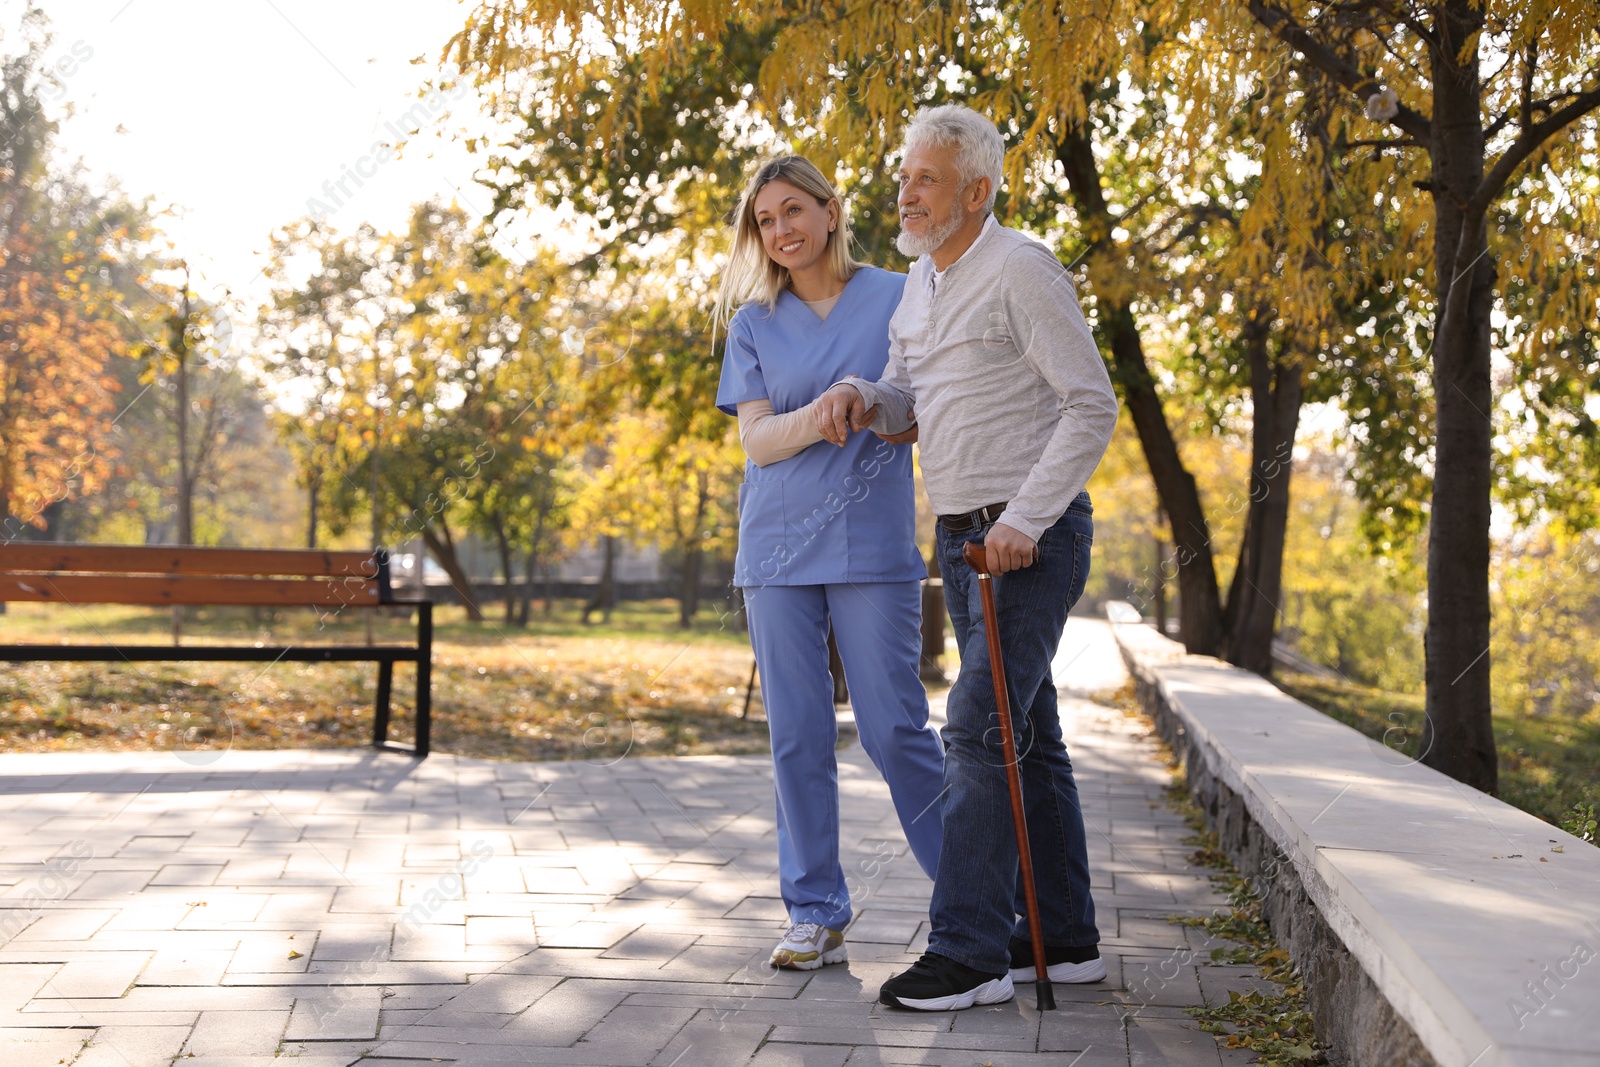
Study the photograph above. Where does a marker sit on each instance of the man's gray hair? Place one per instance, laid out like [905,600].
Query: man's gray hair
[980,150]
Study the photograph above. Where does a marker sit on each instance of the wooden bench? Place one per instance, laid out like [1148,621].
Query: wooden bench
[181,575]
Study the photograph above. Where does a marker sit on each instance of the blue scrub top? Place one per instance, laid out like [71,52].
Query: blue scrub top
[829,514]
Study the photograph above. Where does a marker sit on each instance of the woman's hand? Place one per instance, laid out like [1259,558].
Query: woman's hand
[841,410]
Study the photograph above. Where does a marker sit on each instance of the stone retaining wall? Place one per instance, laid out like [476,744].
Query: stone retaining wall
[1422,913]
[1352,1015]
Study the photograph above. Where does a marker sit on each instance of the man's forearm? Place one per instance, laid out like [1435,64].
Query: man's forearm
[894,405]
[1070,458]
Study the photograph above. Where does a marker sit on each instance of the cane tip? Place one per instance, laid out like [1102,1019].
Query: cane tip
[1046,995]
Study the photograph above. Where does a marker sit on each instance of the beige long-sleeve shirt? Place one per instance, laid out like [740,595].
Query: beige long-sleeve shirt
[767,438]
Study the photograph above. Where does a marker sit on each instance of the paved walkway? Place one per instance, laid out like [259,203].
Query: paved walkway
[344,907]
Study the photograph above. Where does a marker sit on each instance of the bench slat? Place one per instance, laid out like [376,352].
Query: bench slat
[183,559]
[209,653]
[114,589]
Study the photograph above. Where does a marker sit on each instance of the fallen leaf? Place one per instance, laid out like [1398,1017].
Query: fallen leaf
[293,955]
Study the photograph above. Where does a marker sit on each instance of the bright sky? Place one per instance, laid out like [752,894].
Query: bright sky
[237,112]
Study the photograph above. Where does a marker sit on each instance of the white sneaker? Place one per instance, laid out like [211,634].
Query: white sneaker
[1087,971]
[808,946]
[1058,966]
[938,983]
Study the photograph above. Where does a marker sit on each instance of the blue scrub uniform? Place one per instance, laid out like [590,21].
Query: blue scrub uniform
[830,535]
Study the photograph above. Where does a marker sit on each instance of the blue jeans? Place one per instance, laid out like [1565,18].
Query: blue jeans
[977,894]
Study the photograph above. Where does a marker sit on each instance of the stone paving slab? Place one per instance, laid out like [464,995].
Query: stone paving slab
[344,907]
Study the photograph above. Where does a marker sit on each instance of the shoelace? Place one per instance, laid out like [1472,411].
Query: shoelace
[802,932]
[931,963]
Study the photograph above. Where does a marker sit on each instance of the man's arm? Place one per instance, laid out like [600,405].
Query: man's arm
[1049,330]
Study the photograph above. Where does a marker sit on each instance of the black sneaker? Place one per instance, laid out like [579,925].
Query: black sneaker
[938,983]
[1082,964]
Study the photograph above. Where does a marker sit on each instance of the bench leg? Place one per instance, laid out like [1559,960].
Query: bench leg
[380,722]
[424,677]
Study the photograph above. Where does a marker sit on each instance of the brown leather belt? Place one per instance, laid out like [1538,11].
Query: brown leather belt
[963,521]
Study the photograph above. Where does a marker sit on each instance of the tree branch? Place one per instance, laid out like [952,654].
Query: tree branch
[1528,142]
[1491,79]
[1193,219]
[1383,39]
[1278,22]
[1500,123]
[1527,83]
[1403,142]
[1423,33]
[1529,109]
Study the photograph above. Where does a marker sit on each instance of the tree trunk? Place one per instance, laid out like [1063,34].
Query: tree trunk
[1200,601]
[1160,595]
[311,508]
[693,556]
[180,349]
[443,547]
[1250,619]
[10,380]
[507,574]
[689,591]
[1460,741]
[605,594]
[1460,734]
[179,341]
[530,569]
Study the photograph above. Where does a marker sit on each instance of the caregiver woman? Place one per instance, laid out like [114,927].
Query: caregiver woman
[826,535]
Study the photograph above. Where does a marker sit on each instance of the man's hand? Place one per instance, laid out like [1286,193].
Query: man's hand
[904,437]
[841,410]
[1008,549]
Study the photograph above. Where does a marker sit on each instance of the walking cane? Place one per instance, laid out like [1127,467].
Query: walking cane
[974,555]
[749,690]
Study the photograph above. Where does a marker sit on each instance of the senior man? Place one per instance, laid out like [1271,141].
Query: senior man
[993,367]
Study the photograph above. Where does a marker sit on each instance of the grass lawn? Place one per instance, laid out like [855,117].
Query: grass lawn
[1548,766]
[637,685]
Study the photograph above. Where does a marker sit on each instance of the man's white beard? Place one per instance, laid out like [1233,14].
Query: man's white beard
[914,246]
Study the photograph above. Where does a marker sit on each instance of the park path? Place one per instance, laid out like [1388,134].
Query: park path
[345,907]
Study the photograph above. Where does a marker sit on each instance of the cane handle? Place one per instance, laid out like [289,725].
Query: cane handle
[977,557]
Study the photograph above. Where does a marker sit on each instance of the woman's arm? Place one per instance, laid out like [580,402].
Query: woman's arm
[768,438]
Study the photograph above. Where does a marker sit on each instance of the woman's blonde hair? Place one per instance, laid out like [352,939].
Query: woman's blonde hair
[751,274]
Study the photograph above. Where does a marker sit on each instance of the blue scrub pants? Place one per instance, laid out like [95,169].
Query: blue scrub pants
[877,626]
